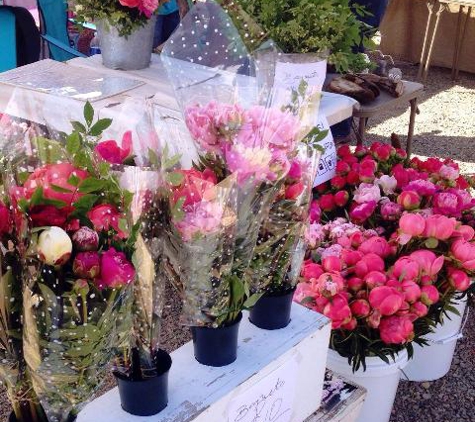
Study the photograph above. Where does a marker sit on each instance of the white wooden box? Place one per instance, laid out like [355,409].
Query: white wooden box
[281,369]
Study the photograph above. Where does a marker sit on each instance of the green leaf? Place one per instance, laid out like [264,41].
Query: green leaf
[74,180]
[37,197]
[123,224]
[88,113]
[237,292]
[60,189]
[251,301]
[78,127]
[23,177]
[172,161]
[91,184]
[177,211]
[175,178]
[73,143]
[153,158]
[128,198]
[85,203]
[100,126]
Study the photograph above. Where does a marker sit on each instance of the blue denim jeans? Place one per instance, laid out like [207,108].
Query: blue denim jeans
[164,27]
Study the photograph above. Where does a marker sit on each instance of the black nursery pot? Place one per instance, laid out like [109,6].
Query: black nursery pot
[149,396]
[272,311]
[216,346]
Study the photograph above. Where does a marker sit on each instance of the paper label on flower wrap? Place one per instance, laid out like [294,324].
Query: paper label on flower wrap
[270,400]
[327,164]
[289,75]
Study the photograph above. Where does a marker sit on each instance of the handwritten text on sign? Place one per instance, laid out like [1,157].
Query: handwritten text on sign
[270,400]
[327,164]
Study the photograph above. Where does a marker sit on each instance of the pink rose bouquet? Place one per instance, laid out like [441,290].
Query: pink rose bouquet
[74,244]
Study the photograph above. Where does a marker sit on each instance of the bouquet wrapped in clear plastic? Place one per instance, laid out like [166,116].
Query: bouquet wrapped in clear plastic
[242,122]
[75,246]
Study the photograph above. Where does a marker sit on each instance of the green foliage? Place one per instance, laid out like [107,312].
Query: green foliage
[124,18]
[312,26]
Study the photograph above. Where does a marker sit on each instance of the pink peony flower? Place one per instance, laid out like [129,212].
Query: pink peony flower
[292,192]
[53,176]
[375,279]
[377,245]
[390,211]
[360,213]
[458,279]
[464,252]
[405,268]
[338,310]
[106,217]
[350,326]
[116,270]
[303,291]
[421,187]
[355,283]
[196,186]
[409,200]
[295,171]
[360,308]
[148,7]
[447,203]
[366,192]
[341,198]
[396,330]
[439,227]
[350,257]
[87,265]
[311,270]
[374,319]
[387,300]
[202,218]
[86,239]
[429,263]
[419,310]
[465,232]
[200,123]
[448,172]
[410,225]
[314,235]
[251,162]
[112,153]
[369,262]
[327,202]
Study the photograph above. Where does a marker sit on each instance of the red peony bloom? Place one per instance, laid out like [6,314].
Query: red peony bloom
[5,221]
[105,217]
[195,186]
[116,270]
[110,150]
[87,265]
[396,330]
[49,215]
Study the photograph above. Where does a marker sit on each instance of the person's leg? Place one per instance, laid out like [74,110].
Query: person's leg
[158,34]
[170,23]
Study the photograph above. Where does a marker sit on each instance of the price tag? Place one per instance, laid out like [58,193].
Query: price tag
[327,164]
[270,400]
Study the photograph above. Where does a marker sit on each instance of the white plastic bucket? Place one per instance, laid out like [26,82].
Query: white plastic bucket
[433,361]
[380,380]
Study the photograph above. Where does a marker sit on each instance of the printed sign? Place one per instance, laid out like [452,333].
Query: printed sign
[327,165]
[270,400]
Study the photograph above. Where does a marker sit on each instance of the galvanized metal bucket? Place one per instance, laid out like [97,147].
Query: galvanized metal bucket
[126,53]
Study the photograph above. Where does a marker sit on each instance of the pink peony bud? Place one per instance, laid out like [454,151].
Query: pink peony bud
[360,308]
[350,258]
[329,284]
[384,152]
[377,245]
[430,295]
[350,326]
[86,239]
[374,319]
[426,280]
[338,182]
[341,198]
[447,203]
[331,263]
[366,175]
[409,200]
[458,279]
[369,262]
[327,202]
[359,213]
[303,291]
[390,211]
[352,178]
[464,252]
[355,284]
[116,270]
[87,265]
[338,311]
[356,239]
[439,227]
[411,225]
[342,168]
[311,270]
[295,171]
[375,279]
[386,300]
[419,309]
[294,191]
[465,232]
[315,212]
[411,290]
[344,151]
[396,330]
[405,269]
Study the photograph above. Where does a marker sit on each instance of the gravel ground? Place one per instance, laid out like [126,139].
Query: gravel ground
[444,128]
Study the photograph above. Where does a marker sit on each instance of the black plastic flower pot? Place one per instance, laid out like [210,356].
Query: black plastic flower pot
[149,396]
[272,311]
[216,346]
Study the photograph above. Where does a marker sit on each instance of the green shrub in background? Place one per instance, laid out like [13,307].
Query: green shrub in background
[310,26]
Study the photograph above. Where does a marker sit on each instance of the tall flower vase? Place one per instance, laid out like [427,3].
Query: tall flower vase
[380,380]
[434,360]
[132,52]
